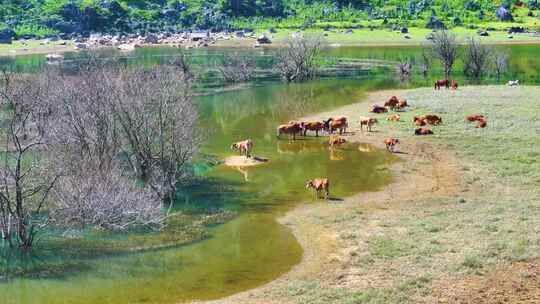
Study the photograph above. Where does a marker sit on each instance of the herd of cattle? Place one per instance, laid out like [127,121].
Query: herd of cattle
[340,124]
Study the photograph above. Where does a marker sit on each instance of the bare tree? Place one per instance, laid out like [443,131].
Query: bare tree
[403,69]
[113,117]
[500,63]
[157,119]
[236,68]
[477,58]
[425,62]
[297,60]
[25,178]
[445,48]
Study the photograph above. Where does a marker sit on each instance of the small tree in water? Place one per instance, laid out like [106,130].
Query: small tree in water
[297,61]
[25,178]
[445,48]
[500,63]
[476,59]
[236,68]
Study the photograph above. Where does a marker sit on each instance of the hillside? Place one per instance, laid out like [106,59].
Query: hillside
[39,18]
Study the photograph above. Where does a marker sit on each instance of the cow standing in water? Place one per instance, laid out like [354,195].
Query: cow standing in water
[292,128]
[243,147]
[312,126]
[319,184]
[336,123]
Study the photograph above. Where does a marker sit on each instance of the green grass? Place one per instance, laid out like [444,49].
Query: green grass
[359,37]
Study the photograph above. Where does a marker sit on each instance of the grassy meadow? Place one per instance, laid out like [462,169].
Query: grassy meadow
[422,250]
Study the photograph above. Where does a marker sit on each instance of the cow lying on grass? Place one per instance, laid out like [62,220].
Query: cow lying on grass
[393,117]
[378,109]
[319,185]
[481,121]
[243,147]
[423,131]
[427,119]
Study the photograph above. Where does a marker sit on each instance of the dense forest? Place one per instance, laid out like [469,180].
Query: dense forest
[47,17]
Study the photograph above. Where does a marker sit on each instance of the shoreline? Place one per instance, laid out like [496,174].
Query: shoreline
[322,245]
[360,38]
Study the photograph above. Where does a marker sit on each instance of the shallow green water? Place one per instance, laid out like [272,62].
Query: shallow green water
[252,248]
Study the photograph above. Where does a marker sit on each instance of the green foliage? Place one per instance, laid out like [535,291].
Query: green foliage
[148,15]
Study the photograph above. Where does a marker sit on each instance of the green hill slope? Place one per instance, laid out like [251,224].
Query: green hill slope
[46,17]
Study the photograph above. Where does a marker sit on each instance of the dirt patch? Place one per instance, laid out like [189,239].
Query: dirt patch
[515,283]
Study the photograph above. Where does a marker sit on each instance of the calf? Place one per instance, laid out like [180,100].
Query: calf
[319,184]
[391,144]
[368,122]
[423,131]
[454,85]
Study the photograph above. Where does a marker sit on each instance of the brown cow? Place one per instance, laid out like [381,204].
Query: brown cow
[474,117]
[290,129]
[429,119]
[419,121]
[392,103]
[423,131]
[442,83]
[319,184]
[336,123]
[312,126]
[393,117]
[433,119]
[336,141]
[481,123]
[454,85]
[378,109]
[391,144]
[402,104]
[368,122]
[244,147]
